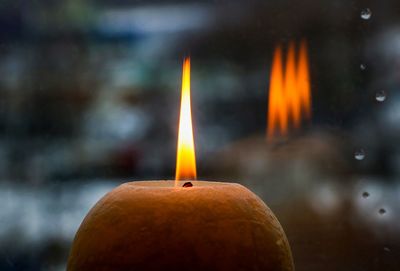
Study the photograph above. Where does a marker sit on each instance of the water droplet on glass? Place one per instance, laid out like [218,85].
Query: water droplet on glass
[382,211]
[365,195]
[366,14]
[363,67]
[380,96]
[359,154]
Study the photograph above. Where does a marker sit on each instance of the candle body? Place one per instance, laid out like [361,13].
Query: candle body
[156,226]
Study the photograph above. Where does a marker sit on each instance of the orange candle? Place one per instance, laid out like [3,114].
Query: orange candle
[157,226]
[181,225]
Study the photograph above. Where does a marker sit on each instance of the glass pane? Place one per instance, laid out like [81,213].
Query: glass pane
[298,101]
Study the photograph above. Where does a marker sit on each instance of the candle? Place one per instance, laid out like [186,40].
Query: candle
[157,226]
[181,224]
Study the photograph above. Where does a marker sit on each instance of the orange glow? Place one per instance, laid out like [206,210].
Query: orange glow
[289,92]
[185,158]
[304,80]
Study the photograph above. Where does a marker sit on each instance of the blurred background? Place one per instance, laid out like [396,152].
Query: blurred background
[89,99]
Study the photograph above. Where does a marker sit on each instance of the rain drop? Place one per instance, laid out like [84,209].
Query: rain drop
[382,211]
[380,96]
[365,195]
[363,67]
[359,154]
[366,14]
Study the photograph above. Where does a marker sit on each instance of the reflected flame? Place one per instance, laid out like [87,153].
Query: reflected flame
[185,159]
[289,93]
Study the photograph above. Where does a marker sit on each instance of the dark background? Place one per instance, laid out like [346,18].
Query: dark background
[89,99]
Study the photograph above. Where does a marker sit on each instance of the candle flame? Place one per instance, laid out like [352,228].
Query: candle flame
[186,158]
[290,92]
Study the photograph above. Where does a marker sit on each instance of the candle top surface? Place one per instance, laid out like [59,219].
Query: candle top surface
[171,184]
